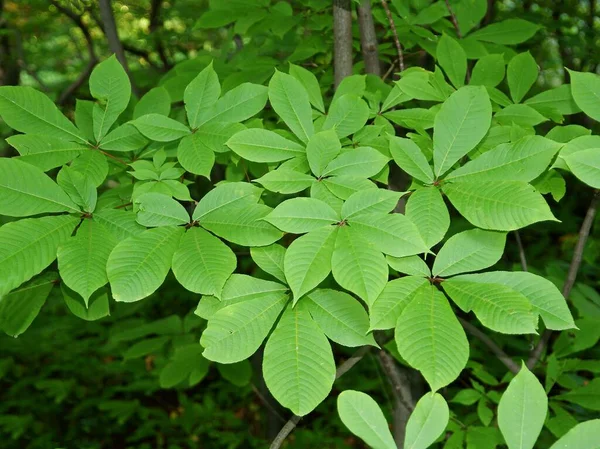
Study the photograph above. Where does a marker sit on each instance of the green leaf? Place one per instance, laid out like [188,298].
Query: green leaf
[260,145]
[124,138]
[82,259]
[347,114]
[97,306]
[430,338]
[344,186]
[202,93]
[29,246]
[543,295]
[156,100]
[160,128]
[585,164]
[498,205]
[412,265]
[582,436]
[459,126]
[195,156]
[358,266]
[519,114]
[27,190]
[19,308]
[362,162]
[342,318]
[298,363]
[237,105]
[79,188]
[286,181]
[146,347]
[308,260]
[224,195]
[521,74]
[310,84]
[92,165]
[322,148]
[138,266]
[410,158]
[26,110]
[120,223]
[585,88]
[84,110]
[239,374]
[427,421]
[453,59]
[414,118]
[300,215]
[507,32]
[523,160]
[270,259]
[522,410]
[291,102]
[469,251]
[109,84]
[353,84]
[489,71]
[559,99]
[363,417]
[389,305]
[236,331]
[43,151]
[203,263]
[394,98]
[426,209]
[585,396]
[417,84]
[156,209]
[370,201]
[497,306]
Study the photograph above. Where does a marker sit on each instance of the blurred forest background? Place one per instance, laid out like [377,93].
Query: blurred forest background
[81,384]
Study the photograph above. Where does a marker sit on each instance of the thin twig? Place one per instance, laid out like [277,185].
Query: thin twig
[388,13]
[115,158]
[521,251]
[267,404]
[584,233]
[498,352]
[454,20]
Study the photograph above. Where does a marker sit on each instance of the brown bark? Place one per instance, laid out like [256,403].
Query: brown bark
[368,38]
[342,40]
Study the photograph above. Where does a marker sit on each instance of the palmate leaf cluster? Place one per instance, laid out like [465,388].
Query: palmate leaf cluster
[109,198]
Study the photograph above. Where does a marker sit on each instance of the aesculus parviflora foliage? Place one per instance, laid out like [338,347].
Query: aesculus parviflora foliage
[305,188]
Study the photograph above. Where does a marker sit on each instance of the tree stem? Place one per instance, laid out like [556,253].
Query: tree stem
[368,38]
[342,40]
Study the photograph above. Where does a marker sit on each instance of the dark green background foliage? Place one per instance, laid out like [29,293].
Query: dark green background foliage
[93,367]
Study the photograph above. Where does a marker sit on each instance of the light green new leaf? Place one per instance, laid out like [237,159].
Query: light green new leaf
[156,209]
[358,266]
[285,181]
[291,102]
[426,209]
[347,114]
[392,234]
[270,259]
[109,84]
[370,201]
[521,74]
[298,363]
[195,156]
[156,100]
[82,259]
[397,294]
[427,421]
[138,266]
[410,158]
[469,251]
[29,246]
[311,85]
[203,263]
[342,318]
[507,32]
[582,436]
[45,152]
[236,331]
[322,148]
[363,417]
[430,338]
[585,88]
[201,94]
[523,160]
[237,105]
[123,138]
[308,260]
[412,265]
[79,188]
[489,71]
[27,190]
[461,123]
[497,306]
[160,128]
[522,410]
[453,59]
[26,110]
[261,145]
[543,295]
[361,162]
[498,205]
[19,308]
[224,195]
[300,215]
[585,165]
